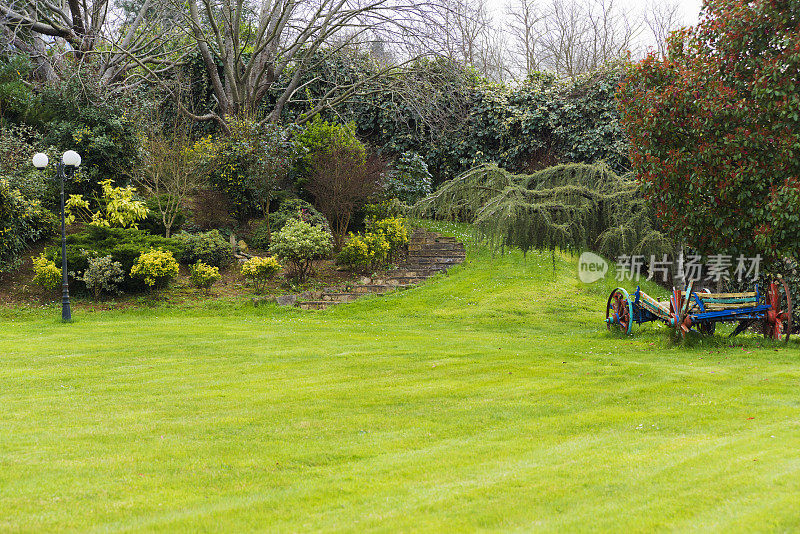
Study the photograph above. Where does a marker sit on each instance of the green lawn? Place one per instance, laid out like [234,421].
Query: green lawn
[489,399]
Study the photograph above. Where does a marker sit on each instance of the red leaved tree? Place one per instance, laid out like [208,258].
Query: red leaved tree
[715,129]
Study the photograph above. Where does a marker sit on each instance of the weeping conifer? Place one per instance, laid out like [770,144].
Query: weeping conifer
[571,207]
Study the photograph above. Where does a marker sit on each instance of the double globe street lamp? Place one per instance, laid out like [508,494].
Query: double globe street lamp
[70,161]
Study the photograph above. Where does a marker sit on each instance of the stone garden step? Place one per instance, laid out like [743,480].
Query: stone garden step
[315,304]
[436,248]
[371,288]
[429,254]
[419,272]
[406,280]
[341,297]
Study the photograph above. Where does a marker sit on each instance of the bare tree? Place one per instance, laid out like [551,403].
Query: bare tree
[170,170]
[269,45]
[462,31]
[571,37]
[523,21]
[116,43]
[662,18]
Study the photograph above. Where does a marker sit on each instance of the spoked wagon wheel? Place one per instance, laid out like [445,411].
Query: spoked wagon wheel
[778,319]
[619,311]
[707,328]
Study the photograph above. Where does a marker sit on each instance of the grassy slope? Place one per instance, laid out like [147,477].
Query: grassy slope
[491,399]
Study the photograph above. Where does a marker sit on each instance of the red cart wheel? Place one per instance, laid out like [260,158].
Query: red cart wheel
[778,319]
[619,311]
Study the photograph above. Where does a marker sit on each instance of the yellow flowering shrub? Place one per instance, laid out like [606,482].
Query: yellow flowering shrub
[394,230]
[45,274]
[259,271]
[203,276]
[118,208]
[363,252]
[156,268]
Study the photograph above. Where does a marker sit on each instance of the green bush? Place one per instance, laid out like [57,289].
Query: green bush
[123,245]
[251,164]
[203,276]
[18,144]
[261,236]
[209,247]
[408,178]
[46,276]
[259,271]
[363,252]
[156,268]
[102,274]
[299,210]
[155,225]
[299,244]
[22,222]
[394,231]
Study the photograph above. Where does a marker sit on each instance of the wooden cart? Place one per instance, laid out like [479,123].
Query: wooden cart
[702,310]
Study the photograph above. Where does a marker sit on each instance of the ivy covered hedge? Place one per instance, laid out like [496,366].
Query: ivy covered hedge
[456,120]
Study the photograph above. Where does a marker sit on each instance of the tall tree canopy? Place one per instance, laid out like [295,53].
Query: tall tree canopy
[715,129]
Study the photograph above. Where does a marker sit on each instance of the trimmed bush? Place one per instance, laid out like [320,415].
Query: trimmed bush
[156,268]
[123,245]
[46,276]
[203,276]
[209,247]
[299,244]
[102,274]
[259,271]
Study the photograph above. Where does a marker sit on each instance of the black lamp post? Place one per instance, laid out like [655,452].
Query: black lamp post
[69,162]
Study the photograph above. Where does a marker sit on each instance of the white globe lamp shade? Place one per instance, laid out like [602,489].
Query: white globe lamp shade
[40,161]
[71,158]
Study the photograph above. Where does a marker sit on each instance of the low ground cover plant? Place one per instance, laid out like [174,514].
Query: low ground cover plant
[124,245]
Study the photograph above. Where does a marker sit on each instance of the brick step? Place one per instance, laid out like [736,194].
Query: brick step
[414,273]
[341,297]
[406,280]
[367,289]
[437,247]
[315,304]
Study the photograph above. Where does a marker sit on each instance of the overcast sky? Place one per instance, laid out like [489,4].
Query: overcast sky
[689,8]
